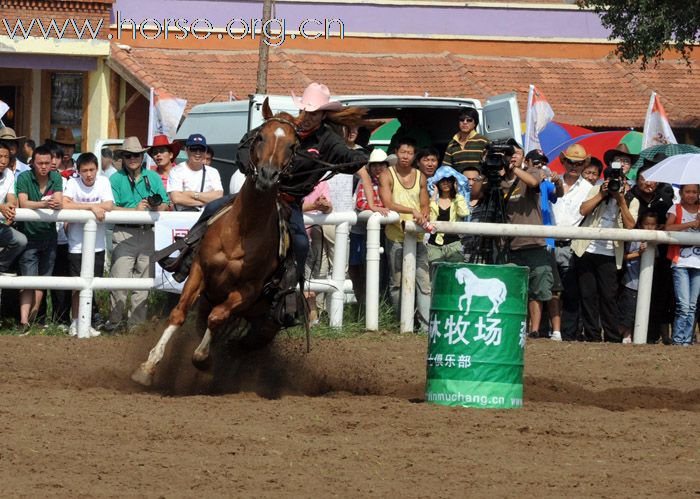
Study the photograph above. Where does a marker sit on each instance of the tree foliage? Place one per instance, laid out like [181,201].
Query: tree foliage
[648,28]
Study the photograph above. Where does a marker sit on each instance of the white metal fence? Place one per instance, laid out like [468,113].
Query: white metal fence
[337,284]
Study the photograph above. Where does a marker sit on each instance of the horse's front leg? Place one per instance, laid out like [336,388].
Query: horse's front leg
[144,374]
[217,318]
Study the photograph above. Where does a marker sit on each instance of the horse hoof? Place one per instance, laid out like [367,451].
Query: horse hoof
[142,377]
[201,362]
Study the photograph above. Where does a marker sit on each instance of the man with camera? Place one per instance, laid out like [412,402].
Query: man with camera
[135,188]
[521,189]
[191,184]
[597,261]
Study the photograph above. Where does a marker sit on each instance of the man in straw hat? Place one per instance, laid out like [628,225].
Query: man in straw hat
[317,142]
[567,214]
[620,154]
[9,137]
[135,188]
[65,139]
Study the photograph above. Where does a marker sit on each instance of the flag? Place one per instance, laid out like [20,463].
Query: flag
[657,129]
[3,109]
[164,114]
[539,113]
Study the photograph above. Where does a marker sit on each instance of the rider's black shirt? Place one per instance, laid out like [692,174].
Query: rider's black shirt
[322,144]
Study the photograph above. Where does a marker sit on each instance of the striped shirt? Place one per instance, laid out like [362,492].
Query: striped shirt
[460,157]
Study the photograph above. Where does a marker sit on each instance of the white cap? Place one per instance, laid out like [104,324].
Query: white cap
[377,156]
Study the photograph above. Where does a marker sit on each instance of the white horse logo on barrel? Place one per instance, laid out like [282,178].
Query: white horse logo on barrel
[494,289]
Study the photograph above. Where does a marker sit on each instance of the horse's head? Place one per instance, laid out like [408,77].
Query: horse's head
[463,275]
[273,148]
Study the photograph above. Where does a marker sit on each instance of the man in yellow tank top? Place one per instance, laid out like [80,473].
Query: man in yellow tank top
[403,189]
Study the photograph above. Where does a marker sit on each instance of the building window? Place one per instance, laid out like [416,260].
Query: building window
[67,103]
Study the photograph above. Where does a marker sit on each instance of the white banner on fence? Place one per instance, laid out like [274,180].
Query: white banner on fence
[166,233]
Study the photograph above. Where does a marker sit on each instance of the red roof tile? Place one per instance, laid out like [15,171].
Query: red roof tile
[593,93]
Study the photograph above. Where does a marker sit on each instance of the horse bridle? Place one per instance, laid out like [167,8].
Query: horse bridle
[252,167]
[284,171]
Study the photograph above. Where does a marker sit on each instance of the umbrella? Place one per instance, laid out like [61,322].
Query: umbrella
[596,144]
[667,149]
[680,169]
[556,133]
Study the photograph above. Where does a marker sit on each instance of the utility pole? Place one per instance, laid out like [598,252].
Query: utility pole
[263,50]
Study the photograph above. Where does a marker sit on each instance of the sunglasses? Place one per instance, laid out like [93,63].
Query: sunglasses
[575,163]
[130,155]
[159,150]
[467,120]
[197,149]
[537,162]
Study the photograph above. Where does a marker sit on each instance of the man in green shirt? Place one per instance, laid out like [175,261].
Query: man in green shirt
[135,188]
[466,148]
[37,188]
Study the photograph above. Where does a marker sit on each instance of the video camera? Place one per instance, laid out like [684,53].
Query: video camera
[614,176]
[498,154]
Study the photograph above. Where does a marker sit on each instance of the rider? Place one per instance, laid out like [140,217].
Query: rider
[318,146]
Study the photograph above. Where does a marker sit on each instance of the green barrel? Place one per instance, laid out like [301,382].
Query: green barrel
[476,341]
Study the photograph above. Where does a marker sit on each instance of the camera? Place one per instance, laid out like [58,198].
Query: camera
[498,154]
[614,176]
[154,201]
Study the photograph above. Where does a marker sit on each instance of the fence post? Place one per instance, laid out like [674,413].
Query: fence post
[372,273]
[340,260]
[87,273]
[646,275]
[408,282]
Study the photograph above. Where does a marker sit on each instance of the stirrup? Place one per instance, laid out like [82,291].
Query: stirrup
[173,263]
[163,254]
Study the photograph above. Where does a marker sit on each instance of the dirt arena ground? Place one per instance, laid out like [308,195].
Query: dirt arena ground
[346,420]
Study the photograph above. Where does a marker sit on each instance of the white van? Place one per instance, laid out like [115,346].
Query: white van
[224,123]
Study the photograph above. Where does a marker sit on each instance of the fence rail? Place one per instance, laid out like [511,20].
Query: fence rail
[337,284]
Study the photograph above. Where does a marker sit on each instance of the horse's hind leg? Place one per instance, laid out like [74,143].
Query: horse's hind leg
[144,374]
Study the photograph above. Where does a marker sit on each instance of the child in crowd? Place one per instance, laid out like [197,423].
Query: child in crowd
[448,203]
[378,162]
[630,277]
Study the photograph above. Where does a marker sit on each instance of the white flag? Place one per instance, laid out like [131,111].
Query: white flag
[539,113]
[164,114]
[657,129]
[3,109]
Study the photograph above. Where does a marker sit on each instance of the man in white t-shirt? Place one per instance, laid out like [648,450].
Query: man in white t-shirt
[90,191]
[12,242]
[191,185]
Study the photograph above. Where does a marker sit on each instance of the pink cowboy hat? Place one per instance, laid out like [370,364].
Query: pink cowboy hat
[316,97]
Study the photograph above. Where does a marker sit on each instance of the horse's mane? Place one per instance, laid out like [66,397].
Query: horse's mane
[352,116]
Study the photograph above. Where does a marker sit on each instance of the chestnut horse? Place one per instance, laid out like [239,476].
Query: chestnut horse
[239,252]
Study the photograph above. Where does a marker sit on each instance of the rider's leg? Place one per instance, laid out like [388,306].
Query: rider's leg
[300,240]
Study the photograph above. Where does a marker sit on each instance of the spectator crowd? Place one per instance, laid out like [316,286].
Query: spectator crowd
[578,290]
